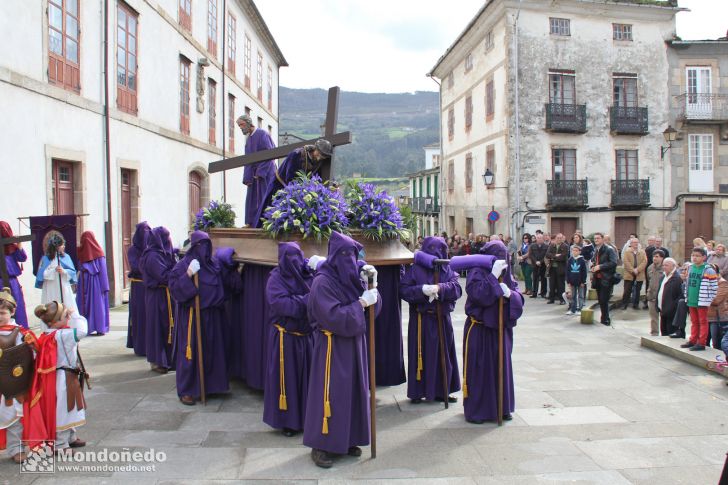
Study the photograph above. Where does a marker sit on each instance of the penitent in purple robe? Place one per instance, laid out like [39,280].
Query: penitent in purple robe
[423,340]
[290,341]
[389,360]
[156,264]
[257,177]
[298,160]
[136,337]
[211,301]
[233,286]
[12,263]
[480,348]
[339,359]
[92,295]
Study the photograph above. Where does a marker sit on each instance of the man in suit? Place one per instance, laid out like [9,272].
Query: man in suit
[536,255]
[605,263]
[668,295]
[557,254]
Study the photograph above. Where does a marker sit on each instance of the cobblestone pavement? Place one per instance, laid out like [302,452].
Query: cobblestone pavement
[592,407]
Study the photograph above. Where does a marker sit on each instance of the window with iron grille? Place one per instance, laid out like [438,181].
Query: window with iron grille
[625,90]
[468,112]
[468,171]
[247,53]
[489,42]
[469,62]
[212,110]
[212,27]
[451,175]
[489,100]
[560,26]
[184,95]
[622,31]
[562,87]
[270,88]
[627,164]
[231,43]
[64,66]
[490,160]
[231,123]
[564,163]
[185,14]
[126,58]
[259,69]
[451,123]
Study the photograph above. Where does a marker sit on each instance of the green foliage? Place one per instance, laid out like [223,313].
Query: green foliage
[409,219]
[217,214]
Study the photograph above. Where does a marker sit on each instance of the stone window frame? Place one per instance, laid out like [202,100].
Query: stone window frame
[622,32]
[489,41]
[451,123]
[451,175]
[560,26]
[469,172]
[468,112]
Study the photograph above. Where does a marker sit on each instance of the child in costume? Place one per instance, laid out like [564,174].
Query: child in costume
[55,266]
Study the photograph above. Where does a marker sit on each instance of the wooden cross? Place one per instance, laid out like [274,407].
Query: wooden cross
[326,171]
[3,266]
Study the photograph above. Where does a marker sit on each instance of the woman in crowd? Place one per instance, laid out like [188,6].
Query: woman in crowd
[525,265]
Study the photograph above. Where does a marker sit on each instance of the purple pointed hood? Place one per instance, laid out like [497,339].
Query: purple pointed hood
[292,268]
[341,265]
[435,246]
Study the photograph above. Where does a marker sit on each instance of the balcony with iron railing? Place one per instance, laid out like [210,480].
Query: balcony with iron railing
[630,193]
[628,120]
[567,194]
[566,118]
[425,205]
[697,108]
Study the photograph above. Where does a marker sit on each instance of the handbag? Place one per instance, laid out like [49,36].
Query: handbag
[616,278]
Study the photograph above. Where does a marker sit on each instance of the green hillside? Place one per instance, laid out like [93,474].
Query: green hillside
[389,130]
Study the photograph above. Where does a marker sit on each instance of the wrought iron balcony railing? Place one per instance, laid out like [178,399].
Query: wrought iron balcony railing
[566,118]
[425,205]
[631,193]
[567,194]
[628,120]
[698,107]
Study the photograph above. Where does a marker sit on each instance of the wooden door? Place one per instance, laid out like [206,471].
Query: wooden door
[195,193]
[623,227]
[698,223]
[125,220]
[62,181]
[565,226]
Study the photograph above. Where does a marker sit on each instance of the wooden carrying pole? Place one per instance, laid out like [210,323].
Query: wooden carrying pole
[198,328]
[372,377]
[60,276]
[500,357]
[441,336]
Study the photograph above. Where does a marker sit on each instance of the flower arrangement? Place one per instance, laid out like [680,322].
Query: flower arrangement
[374,212]
[306,206]
[217,214]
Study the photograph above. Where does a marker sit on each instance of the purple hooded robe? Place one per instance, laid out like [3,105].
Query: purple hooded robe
[92,295]
[156,264]
[423,341]
[298,160]
[339,355]
[480,347]
[257,177]
[136,336]
[12,263]
[389,364]
[212,298]
[233,286]
[287,293]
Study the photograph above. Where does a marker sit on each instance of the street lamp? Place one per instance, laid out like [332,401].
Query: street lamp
[670,135]
[488,177]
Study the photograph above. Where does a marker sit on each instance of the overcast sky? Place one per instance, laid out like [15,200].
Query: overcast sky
[389,45]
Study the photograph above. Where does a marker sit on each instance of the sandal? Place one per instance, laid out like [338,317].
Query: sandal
[187,400]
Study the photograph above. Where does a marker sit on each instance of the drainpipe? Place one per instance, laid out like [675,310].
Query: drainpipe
[442,161]
[108,233]
[224,94]
[514,225]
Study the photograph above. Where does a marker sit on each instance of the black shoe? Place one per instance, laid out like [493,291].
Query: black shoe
[416,401]
[450,399]
[322,458]
[550,302]
[507,417]
[476,421]
[562,302]
[697,347]
[635,307]
[534,296]
[288,432]
[607,323]
[354,451]
[676,335]
[687,345]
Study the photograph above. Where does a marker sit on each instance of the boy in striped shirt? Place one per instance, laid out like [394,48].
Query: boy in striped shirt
[701,288]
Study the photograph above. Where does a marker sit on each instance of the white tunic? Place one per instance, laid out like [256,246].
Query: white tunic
[10,414]
[52,291]
[67,342]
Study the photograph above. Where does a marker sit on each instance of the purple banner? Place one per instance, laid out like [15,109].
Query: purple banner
[42,225]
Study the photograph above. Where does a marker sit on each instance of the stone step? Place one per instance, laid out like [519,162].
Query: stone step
[671,347]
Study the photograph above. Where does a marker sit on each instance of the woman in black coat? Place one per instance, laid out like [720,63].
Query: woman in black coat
[670,292]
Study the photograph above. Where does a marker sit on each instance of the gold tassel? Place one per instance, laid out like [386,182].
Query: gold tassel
[419,346]
[169,313]
[473,322]
[282,401]
[188,352]
[327,381]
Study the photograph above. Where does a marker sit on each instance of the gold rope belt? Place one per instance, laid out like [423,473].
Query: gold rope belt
[327,381]
[188,352]
[136,280]
[280,179]
[169,313]
[282,401]
[419,346]
[474,322]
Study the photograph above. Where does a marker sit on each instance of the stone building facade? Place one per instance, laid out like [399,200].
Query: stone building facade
[171,112]
[565,104]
